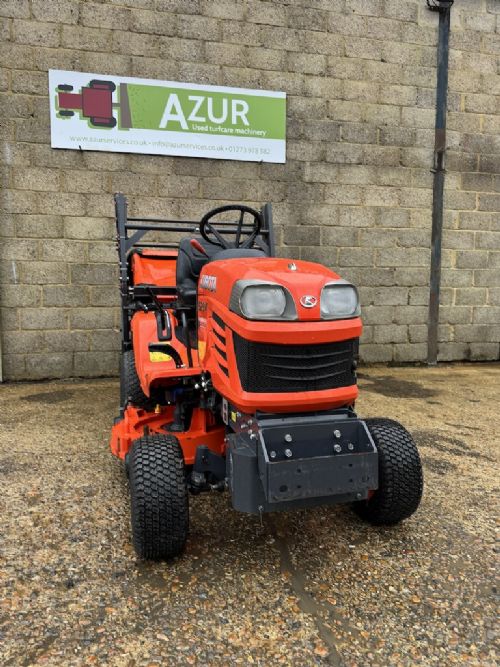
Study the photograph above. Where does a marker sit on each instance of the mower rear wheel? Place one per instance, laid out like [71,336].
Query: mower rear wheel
[159,497]
[400,475]
[133,389]
[103,85]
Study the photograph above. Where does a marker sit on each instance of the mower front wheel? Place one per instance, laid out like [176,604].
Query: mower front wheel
[400,475]
[159,497]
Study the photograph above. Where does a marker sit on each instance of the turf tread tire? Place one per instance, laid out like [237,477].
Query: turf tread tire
[133,389]
[400,475]
[159,497]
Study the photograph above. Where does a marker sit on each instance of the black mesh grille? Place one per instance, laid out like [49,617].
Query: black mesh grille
[265,367]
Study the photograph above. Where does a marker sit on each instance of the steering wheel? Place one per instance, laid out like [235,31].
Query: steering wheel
[215,236]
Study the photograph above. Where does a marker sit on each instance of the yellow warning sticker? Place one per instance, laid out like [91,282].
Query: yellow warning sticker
[202,349]
[233,416]
[159,356]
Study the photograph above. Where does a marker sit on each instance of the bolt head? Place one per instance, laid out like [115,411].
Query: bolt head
[288,438]
[288,453]
[337,448]
[350,446]
[337,433]
[272,454]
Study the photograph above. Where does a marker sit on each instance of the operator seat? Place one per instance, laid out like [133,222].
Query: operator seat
[190,262]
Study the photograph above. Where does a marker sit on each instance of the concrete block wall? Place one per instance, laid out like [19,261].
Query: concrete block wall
[355,192]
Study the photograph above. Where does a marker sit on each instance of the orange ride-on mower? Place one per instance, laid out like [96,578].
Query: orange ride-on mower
[239,372]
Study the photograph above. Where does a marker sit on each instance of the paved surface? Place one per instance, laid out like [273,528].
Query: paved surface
[314,587]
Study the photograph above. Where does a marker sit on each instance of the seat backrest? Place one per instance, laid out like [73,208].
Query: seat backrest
[189,265]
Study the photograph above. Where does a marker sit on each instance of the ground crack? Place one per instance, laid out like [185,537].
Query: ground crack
[306,601]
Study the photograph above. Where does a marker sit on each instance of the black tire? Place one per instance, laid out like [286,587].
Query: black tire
[132,384]
[104,85]
[159,497]
[99,122]
[400,475]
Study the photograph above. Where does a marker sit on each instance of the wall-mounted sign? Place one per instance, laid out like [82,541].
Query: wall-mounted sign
[123,114]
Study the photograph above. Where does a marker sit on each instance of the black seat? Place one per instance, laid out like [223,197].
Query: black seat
[191,261]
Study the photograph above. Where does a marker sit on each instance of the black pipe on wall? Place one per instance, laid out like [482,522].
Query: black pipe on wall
[444,9]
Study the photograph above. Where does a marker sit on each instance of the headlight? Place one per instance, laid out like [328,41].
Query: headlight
[339,301]
[262,301]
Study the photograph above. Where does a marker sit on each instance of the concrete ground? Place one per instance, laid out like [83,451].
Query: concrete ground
[314,587]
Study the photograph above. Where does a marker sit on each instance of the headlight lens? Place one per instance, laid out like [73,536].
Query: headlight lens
[263,302]
[258,300]
[339,301]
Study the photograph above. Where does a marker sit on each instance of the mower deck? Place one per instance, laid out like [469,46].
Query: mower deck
[137,423]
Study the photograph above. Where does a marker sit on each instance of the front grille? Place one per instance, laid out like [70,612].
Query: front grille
[265,367]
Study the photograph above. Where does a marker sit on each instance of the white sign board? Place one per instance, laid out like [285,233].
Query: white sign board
[128,115]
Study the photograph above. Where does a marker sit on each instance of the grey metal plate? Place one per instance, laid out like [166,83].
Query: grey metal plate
[320,476]
[316,458]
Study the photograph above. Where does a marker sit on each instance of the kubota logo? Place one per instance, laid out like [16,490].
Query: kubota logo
[308,301]
[209,283]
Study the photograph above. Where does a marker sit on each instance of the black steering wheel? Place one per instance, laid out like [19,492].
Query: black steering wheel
[213,235]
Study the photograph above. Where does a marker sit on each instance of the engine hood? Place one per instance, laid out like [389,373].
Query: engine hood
[301,279]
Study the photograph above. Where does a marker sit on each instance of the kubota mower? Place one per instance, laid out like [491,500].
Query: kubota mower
[239,372]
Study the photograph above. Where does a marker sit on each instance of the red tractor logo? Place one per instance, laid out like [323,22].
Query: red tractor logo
[94,102]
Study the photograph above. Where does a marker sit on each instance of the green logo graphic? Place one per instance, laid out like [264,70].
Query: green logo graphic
[160,107]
